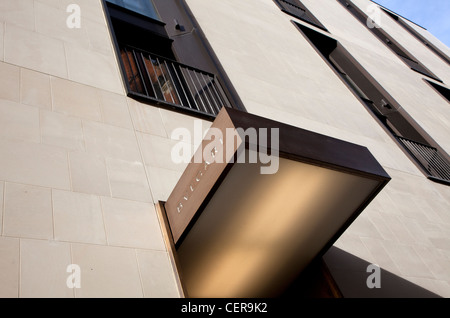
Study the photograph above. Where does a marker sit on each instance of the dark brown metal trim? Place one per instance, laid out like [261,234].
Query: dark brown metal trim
[438,180]
[302,145]
[170,106]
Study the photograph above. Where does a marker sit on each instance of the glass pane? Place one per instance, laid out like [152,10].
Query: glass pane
[144,7]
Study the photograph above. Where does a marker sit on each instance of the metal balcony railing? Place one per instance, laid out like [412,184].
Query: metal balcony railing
[175,84]
[429,158]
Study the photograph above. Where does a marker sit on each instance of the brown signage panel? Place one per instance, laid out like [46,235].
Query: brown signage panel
[242,230]
[199,177]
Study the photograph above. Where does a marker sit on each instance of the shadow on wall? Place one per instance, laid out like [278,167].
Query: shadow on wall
[351,276]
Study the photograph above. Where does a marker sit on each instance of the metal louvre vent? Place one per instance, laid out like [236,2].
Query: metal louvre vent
[429,158]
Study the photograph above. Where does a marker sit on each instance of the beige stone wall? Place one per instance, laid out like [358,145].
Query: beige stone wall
[406,230]
[81,165]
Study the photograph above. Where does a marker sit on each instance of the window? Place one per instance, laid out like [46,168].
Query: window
[151,52]
[445,92]
[414,140]
[418,36]
[296,9]
[401,52]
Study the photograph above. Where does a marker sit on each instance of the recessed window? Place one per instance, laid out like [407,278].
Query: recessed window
[384,37]
[418,36]
[150,65]
[425,152]
[296,9]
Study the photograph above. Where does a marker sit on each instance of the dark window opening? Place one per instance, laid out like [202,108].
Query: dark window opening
[296,9]
[414,140]
[418,36]
[401,52]
[135,31]
[150,66]
[445,92]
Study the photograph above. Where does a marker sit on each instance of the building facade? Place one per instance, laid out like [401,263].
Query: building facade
[93,93]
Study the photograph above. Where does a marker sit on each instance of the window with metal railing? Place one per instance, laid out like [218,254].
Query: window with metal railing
[150,53]
[421,148]
[172,83]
